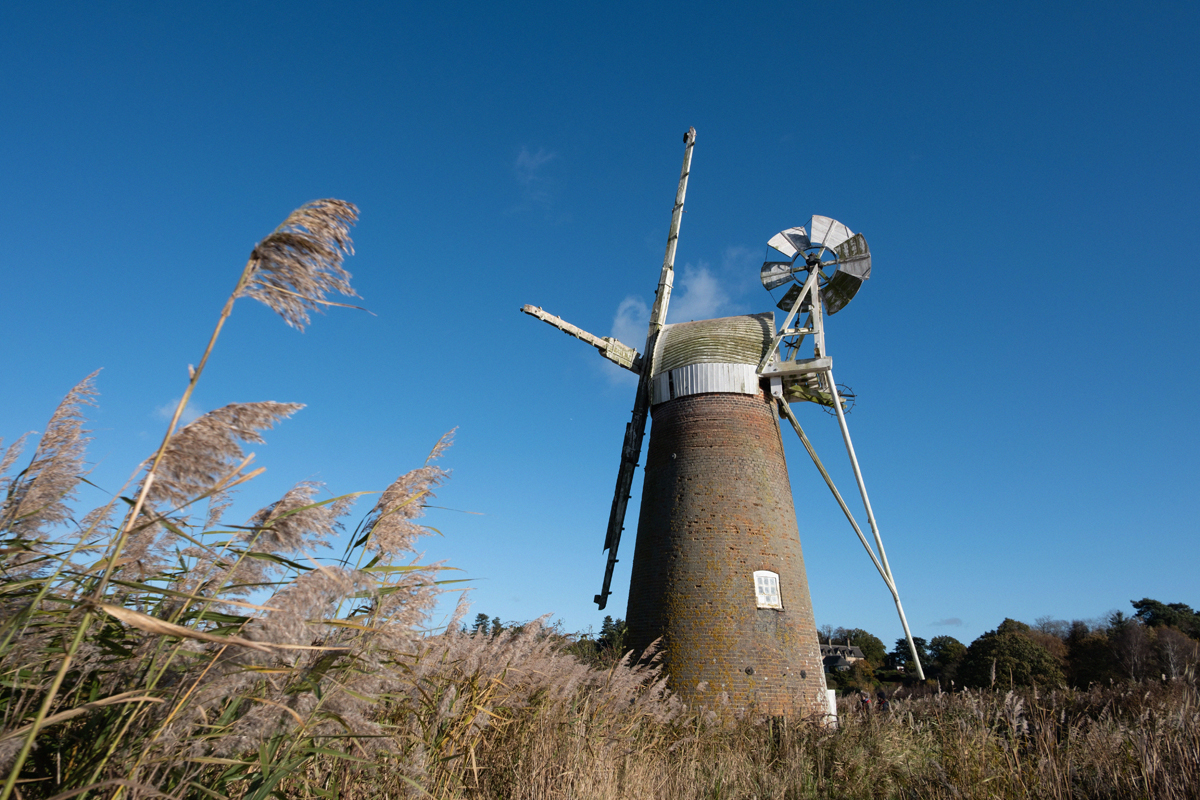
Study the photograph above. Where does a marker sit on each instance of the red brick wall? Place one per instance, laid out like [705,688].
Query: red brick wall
[716,506]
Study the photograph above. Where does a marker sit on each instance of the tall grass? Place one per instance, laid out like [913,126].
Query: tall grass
[149,647]
[1122,741]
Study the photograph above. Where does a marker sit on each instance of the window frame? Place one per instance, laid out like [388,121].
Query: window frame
[767,600]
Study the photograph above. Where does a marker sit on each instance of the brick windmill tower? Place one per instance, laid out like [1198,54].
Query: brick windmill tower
[718,571]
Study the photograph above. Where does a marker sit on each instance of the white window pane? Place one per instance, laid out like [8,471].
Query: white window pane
[766,589]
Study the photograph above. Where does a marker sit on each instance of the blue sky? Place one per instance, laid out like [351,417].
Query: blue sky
[1024,354]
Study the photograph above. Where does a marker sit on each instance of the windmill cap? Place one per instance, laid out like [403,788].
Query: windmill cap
[711,355]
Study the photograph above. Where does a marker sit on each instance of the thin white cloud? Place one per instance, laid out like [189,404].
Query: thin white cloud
[697,295]
[529,163]
[536,186]
[740,268]
[190,413]
[740,260]
[631,321]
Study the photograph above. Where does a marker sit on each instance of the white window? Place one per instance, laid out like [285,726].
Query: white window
[766,589]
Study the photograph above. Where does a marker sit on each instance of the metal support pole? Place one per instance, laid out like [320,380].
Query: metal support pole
[787,411]
[809,290]
[862,489]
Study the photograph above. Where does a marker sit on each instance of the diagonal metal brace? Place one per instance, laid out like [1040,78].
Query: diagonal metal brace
[880,561]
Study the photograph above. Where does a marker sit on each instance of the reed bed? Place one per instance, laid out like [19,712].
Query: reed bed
[151,648]
[556,730]
[1122,741]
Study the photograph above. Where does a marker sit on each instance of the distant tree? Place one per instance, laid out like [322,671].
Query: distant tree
[946,649]
[481,624]
[1176,651]
[1133,648]
[496,626]
[859,678]
[1054,627]
[1163,615]
[873,648]
[1054,645]
[1090,657]
[614,635]
[901,656]
[1009,655]
[945,655]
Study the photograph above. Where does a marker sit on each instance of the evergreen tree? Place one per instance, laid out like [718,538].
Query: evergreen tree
[901,656]
[1009,656]
[613,636]
[1089,656]
[1173,615]
[945,655]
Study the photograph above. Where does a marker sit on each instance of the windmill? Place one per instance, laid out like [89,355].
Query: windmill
[718,571]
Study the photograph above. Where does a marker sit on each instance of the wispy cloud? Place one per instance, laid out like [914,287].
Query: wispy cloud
[530,169]
[191,412]
[740,268]
[948,622]
[741,260]
[697,295]
[631,321]
[700,293]
[529,163]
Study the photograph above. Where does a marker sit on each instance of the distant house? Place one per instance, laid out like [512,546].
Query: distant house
[839,657]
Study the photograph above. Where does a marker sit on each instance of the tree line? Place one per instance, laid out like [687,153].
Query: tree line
[1160,641]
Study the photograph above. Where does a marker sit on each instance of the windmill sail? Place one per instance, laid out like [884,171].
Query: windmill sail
[790,242]
[853,267]
[635,431]
[775,274]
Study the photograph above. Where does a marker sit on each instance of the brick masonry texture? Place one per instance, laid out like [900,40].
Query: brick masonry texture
[716,506]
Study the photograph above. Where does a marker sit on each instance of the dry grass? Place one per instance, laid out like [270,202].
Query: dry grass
[551,731]
[1120,742]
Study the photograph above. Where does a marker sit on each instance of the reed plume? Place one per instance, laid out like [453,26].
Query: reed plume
[389,528]
[291,271]
[199,461]
[205,450]
[294,268]
[295,523]
[40,495]
[9,458]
